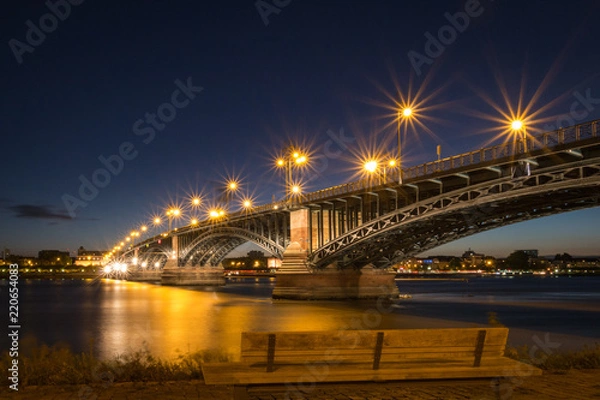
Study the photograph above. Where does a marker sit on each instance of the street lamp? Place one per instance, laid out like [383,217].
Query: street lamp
[196,201]
[173,213]
[371,166]
[295,190]
[405,114]
[518,126]
[292,158]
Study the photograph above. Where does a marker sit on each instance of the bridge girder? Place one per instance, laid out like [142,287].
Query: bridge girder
[438,220]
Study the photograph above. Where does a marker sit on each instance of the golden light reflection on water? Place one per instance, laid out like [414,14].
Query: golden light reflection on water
[169,321]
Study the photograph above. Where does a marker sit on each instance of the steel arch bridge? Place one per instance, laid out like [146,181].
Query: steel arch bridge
[379,222]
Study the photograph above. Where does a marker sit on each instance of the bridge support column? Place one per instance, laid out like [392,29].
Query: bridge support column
[295,281]
[335,284]
[173,259]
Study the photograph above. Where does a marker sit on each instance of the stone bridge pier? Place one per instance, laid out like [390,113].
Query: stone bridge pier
[296,281]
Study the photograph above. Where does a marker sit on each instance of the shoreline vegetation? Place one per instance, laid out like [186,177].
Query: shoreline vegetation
[40,364]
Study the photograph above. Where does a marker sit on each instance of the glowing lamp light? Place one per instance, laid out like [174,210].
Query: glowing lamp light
[232,185]
[516,125]
[247,204]
[371,166]
[301,159]
[157,221]
[280,162]
[392,163]
[407,112]
[296,189]
[194,221]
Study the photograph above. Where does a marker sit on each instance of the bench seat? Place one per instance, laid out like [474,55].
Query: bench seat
[296,358]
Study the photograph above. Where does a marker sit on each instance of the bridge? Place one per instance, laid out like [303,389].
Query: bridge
[341,242]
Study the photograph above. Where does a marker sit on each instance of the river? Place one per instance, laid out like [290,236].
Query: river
[120,316]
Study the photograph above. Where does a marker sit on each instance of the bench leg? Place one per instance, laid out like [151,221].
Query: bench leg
[240,393]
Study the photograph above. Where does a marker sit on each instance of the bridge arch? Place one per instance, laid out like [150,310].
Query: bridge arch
[213,245]
[429,223]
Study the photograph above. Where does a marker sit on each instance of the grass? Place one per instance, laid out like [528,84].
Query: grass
[586,358]
[58,365]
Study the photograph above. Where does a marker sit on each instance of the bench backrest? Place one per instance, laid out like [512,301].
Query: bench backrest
[366,346]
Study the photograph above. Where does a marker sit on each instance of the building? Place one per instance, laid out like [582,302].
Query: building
[472,259]
[89,258]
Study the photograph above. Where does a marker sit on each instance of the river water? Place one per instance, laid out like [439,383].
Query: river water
[120,316]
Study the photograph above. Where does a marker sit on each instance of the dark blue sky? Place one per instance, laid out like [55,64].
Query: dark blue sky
[87,88]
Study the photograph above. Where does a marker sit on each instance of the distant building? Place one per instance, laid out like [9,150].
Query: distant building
[472,259]
[89,258]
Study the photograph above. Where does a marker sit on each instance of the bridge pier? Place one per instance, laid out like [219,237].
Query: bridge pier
[145,275]
[193,276]
[333,283]
[295,281]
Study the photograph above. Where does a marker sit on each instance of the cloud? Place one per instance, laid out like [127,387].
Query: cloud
[38,212]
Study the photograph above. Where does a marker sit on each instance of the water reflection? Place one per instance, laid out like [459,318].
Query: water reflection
[171,320]
[120,317]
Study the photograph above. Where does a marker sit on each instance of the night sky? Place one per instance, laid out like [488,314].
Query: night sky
[236,81]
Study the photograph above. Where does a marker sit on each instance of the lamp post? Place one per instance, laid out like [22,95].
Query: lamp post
[292,158]
[518,126]
[405,113]
[172,213]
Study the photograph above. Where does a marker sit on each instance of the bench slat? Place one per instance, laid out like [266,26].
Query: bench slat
[366,355]
[404,338]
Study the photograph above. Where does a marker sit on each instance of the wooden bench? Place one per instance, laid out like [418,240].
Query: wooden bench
[302,359]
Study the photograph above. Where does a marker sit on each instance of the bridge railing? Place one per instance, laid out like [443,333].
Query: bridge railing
[586,130]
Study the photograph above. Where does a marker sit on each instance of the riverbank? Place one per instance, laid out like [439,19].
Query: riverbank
[574,384]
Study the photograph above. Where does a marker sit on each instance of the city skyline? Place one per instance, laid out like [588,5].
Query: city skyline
[175,99]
